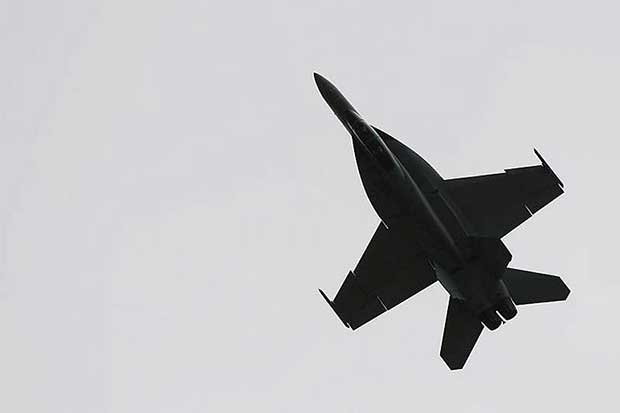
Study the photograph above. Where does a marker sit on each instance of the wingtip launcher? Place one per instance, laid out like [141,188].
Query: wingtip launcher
[331,304]
[548,168]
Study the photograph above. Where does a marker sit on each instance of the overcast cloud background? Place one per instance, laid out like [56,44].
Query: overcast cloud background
[173,191]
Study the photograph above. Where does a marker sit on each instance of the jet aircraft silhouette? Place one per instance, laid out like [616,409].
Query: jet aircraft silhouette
[446,230]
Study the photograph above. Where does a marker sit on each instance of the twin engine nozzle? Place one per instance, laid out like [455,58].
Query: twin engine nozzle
[505,308]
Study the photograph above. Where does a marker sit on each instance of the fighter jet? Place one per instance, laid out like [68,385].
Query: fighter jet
[435,229]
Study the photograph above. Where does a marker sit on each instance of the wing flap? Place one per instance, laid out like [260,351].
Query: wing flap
[369,311]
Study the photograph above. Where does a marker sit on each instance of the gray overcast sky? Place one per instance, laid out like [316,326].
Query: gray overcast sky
[173,190]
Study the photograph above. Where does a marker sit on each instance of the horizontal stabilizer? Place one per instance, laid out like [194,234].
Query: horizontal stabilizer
[528,287]
[460,334]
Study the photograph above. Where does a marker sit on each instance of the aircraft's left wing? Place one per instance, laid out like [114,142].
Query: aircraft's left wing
[390,271]
[496,204]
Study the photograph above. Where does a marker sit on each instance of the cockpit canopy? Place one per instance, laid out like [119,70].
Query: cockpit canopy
[373,142]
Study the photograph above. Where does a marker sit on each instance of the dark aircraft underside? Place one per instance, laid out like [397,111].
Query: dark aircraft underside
[454,237]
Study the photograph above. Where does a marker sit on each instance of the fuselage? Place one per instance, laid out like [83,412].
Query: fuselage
[412,198]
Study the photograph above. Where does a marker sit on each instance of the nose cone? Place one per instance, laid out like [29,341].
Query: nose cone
[336,101]
[325,86]
[318,78]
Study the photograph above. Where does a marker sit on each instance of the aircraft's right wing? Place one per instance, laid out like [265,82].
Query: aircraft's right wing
[496,204]
[390,271]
